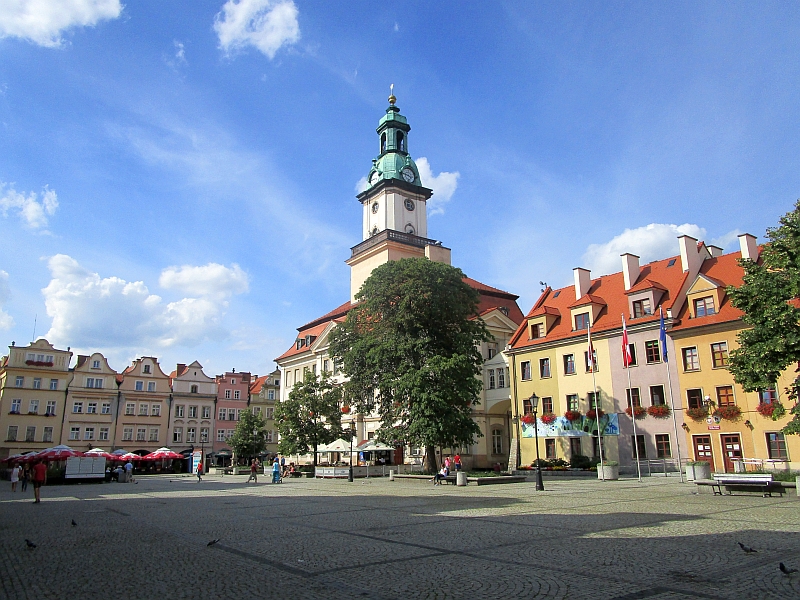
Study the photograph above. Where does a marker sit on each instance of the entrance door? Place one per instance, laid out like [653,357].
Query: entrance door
[702,449]
[731,449]
[574,446]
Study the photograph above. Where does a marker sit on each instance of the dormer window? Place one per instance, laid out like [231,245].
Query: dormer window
[704,306]
[581,321]
[641,308]
[537,331]
[146,369]
[95,364]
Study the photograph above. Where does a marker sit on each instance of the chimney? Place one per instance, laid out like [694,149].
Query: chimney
[691,259]
[583,281]
[749,246]
[630,269]
[714,251]
[180,369]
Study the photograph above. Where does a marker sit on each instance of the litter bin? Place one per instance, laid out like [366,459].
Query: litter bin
[461,478]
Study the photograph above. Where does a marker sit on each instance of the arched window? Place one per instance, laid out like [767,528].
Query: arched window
[374,231]
[401,142]
[410,229]
[383,142]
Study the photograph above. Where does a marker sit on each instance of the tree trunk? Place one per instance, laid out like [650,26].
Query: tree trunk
[315,455]
[430,460]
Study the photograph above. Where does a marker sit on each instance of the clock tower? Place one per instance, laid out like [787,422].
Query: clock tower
[394,205]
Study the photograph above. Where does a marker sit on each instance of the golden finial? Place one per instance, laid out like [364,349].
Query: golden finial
[392,99]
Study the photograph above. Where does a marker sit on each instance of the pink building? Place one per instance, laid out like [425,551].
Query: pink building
[233,396]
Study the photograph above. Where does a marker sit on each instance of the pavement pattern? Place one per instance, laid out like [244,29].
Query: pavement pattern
[309,538]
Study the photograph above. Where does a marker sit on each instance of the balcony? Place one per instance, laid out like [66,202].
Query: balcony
[393,236]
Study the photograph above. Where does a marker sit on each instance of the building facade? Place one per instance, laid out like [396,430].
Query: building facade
[194,398]
[233,396]
[144,403]
[92,405]
[264,393]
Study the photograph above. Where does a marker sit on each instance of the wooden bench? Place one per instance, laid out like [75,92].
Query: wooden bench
[761,481]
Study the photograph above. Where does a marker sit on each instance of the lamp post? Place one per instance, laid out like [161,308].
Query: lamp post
[350,470]
[534,399]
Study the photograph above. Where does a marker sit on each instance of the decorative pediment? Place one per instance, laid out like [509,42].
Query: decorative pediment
[703,289]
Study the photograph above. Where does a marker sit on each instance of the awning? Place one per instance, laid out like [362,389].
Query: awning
[339,445]
[373,446]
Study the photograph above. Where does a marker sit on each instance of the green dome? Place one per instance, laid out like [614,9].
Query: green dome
[394,161]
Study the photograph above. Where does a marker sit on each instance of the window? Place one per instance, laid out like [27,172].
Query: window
[130,408]
[492,349]
[106,408]
[641,308]
[204,434]
[153,434]
[192,412]
[146,369]
[95,364]
[206,412]
[141,432]
[569,364]
[227,394]
[194,389]
[581,321]
[547,405]
[776,446]
[238,413]
[11,436]
[233,382]
[572,401]
[16,406]
[663,449]
[549,448]
[222,413]
[632,394]
[98,382]
[537,331]
[88,433]
[575,446]
[652,350]
[231,414]
[75,433]
[37,383]
[719,355]
[30,433]
[704,306]
[269,413]
[20,381]
[694,398]
[767,396]
[236,394]
[725,396]
[144,410]
[639,444]
[179,408]
[326,366]
[691,362]
[592,400]
[270,394]
[47,435]
[139,386]
[269,436]
[491,379]
[51,408]
[657,397]
[77,407]
[127,434]
[497,441]
[544,368]
[501,377]
[632,350]
[54,384]
[593,366]
[33,407]
[103,435]
[220,435]
[190,431]
[91,408]
[151,386]
[525,368]
[256,410]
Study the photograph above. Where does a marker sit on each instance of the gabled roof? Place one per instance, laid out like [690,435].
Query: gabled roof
[587,299]
[646,284]
[544,310]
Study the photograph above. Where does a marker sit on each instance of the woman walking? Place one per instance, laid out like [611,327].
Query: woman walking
[14,478]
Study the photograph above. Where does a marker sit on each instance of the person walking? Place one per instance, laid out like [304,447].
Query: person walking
[253,471]
[457,462]
[276,471]
[447,462]
[25,477]
[14,477]
[283,464]
[39,479]
[129,471]
[199,472]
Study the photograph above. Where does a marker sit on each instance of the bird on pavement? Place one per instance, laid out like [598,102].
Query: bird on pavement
[212,542]
[786,570]
[74,524]
[29,543]
[747,549]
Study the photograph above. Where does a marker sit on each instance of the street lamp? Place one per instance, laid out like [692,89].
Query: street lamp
[350,470]
[534,400]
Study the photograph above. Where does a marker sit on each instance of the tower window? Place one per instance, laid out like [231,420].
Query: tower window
[410,229]
[374,231]
[401,142]
[375,208]
[383,142]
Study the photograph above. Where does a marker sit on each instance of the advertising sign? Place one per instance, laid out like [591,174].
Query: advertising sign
[561,427]
[197,456]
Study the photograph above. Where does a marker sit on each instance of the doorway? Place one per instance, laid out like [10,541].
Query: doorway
[702,449]
[731,450]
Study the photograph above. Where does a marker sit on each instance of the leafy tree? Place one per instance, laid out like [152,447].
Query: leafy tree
[310,416]
[768,298]
[411,351]
[249,438]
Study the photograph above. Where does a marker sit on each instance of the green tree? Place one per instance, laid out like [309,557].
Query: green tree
[249,439]
[411,351]
[311,416]
[768,297]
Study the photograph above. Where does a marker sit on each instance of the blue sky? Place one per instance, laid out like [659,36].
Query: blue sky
[178,178]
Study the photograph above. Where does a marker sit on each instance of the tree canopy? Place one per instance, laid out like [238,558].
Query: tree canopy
[768,297]
[249,438]
[311,416]
[410,349]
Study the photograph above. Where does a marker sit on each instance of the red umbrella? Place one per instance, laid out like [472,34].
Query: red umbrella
[163,454]
[130,456]
[58,453]
[100,453]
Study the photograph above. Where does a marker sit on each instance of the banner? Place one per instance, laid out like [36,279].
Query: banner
[197,456]
[582,427]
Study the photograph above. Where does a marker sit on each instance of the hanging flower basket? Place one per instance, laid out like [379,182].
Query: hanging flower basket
[730,413]
[548,418]
[660,411]
[773,410]
[527,419]
[592,413]
[698,414]
[637,412]
[345,410]
[572,415]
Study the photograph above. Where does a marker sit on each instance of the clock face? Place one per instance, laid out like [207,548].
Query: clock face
[375,208]
[409,204]
[408,175]
[374,177]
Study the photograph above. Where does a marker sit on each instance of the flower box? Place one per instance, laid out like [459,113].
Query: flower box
[659,411]
[730,412]
[608,470]
[527,419]
[572,415]
[592,413]
[38,363]
[637,412]
[698,414]
[548,418]
[700,469]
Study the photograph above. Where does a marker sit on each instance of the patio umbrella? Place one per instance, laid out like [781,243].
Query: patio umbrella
[339,445]
[130,456]
[100,453]
[163,454]
[59,452]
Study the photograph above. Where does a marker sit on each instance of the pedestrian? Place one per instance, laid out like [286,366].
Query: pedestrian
[199,472]
[129,471]
[447,462]
[283,464]
[39,479]
[457,462]
[276,471]
[253,471]
[26,476]
[14,477]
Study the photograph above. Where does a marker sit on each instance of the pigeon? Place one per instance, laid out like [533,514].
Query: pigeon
[212,542]
[74,524]
[747,549]
[786,570]
[29,543]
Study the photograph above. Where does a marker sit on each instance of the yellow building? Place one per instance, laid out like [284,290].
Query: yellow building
[33,389]
[91,405]
[144,403]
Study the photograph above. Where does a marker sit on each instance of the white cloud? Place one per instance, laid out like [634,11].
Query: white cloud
[109,313]
[6,321]
[361,185]
[651,242]
[213,280]
[43,21]
[31,211]
[264,24]
[443,185]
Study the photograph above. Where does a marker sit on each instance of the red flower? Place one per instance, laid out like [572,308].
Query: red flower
[527,419]
[592,413]
[698,414]
[638,412]
[548,418]
[345,409]
[765,409]
[660,411]
[572,415]
[730,412]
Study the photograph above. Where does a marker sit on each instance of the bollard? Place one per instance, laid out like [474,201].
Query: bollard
[461,478]
[391,474]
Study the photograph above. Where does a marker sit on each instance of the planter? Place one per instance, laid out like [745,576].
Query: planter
[609,472]
[638,412]
[572,416]
[697,414]
[660,411]
[698,470]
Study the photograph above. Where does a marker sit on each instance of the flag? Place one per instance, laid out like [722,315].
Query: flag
[591,363]
[663,335]
[627,359]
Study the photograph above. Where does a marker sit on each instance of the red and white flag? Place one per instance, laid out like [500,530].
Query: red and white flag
[627,359]
[590,360]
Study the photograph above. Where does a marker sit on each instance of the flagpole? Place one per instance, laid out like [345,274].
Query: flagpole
[596,402]
[663,336]
[630,387]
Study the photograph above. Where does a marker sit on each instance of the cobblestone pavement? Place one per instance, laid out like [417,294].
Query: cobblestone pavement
[395,540]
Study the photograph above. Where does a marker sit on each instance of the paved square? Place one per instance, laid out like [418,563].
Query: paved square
[395,540]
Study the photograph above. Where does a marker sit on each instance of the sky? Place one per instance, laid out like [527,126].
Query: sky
[178,179]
